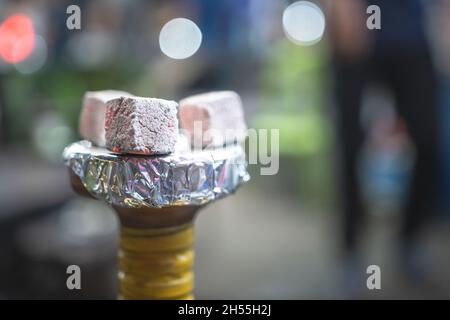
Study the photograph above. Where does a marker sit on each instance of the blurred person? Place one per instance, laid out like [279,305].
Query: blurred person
[225,42]
[441,41]
[398,56]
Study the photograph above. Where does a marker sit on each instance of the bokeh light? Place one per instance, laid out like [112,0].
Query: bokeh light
[303,23]
[90,50]
[50,134]
[16,38]
[36,59]
[180,38]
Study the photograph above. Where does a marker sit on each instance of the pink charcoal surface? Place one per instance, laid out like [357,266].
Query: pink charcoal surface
[140,125]
[219,114]
[92,117]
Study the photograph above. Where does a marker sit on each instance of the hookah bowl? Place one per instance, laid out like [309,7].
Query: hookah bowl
[156,199]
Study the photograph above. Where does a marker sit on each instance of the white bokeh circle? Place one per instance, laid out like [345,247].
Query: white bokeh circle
[303,23]
[180,38]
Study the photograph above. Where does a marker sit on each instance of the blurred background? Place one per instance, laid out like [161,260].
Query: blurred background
[364,120]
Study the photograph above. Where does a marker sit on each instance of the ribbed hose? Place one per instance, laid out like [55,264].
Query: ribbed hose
[156,263]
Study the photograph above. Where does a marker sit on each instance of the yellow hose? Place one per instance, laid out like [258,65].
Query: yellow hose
[156,263]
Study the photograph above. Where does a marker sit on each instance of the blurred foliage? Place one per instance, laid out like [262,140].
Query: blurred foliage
[59,88]
[294,95]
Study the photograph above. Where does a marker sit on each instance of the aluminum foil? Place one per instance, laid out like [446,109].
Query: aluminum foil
[182,178]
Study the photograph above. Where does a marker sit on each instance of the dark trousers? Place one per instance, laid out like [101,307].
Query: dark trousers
[411,78]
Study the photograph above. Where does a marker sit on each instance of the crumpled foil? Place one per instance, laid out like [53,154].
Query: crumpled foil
[181,178]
